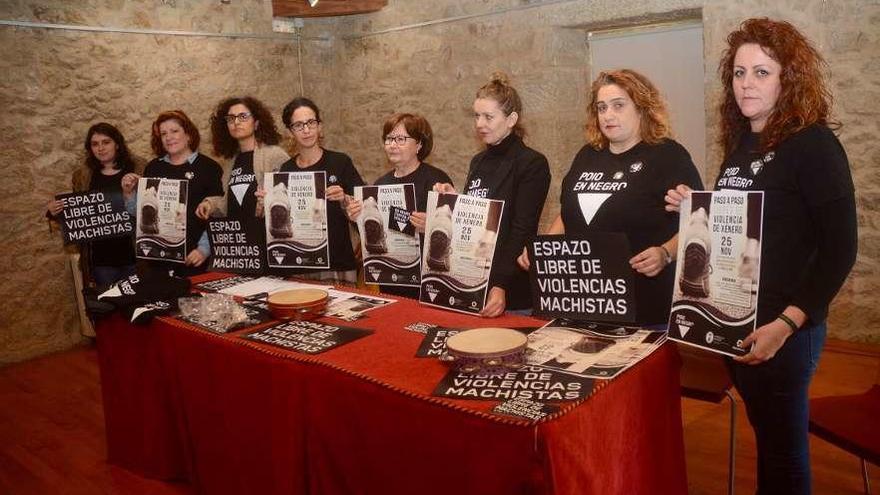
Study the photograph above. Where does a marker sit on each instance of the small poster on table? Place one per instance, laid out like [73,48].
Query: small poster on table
[296,220]
[233,248]
[594,350]
[93,215]
[308,337]
[161,219]
[715,298]
[389,243]
[586,279]
[460,236]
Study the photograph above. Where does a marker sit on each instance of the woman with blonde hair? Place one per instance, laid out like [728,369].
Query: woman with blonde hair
[506,170]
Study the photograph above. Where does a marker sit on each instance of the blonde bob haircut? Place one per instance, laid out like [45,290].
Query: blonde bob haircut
[654,125]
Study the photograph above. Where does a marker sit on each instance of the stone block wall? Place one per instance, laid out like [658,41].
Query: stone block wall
[359,70]
[56,83]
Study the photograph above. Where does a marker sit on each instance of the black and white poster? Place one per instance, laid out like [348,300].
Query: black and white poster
[223,283]
[234,249]
[389,243]
[161,219]
[93,215]
[460,236]
[595,350]
[308,337]
[587,279]
[296,220]
[715,298]
[529,382]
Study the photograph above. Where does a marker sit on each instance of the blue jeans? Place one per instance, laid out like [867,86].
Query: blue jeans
[776,397]
[106,275]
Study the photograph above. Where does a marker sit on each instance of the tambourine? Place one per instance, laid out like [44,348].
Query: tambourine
[298,304]
[486,350]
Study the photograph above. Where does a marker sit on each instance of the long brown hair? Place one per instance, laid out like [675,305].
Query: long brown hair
[265,131]
[654,126]
[804,99]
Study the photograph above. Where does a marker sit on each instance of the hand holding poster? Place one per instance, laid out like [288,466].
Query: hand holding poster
[161,219]
[233,247]
[93,215]
[586,279]
[296,220]
[460,235]
[715,299]
[392,253]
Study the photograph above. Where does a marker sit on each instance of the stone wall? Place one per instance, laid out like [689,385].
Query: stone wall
[360,69]
[56,83]
[435,69]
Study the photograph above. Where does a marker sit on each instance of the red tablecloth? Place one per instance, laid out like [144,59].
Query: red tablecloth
[235,416]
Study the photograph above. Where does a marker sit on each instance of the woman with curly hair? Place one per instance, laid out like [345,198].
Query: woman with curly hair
[618,179]
[506,170]
[777,138]
[107,162]
[243,131]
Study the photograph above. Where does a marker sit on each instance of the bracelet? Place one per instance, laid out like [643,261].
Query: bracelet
[788,321]
[666,252]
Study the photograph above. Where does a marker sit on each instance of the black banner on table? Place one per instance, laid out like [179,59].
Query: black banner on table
[434,343]
[234,247]
[586,279]
[161,219]
[308,337]
[529,382]
[715,297]
[525,408]
[94,215]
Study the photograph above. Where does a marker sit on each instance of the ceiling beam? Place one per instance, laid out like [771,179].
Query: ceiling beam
[325,8]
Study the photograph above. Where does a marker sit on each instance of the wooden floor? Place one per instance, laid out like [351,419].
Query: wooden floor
[52,432]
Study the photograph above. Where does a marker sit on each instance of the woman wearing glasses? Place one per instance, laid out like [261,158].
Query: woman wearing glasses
[243,131]
[408,142]
[303,119]
[511,171]
[175,140]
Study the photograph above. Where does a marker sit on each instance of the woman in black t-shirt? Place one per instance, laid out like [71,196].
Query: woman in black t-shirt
[506,170]
[408,140]
[107,161]
[303,119]
[777,138]
[174,138]
[618,180]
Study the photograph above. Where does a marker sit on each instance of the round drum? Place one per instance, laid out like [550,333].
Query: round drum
[298,304]
[486,350]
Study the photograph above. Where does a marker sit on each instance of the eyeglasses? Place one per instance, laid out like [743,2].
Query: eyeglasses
[399,140]
[238,117]
[299,126]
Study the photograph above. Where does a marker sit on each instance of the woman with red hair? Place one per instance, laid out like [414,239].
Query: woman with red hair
[777,138]
[175,140]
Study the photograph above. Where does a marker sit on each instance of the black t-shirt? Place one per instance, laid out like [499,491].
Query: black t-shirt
[205,179]
[519,175]
[423,179]
[340,172]
[115,251]
[606,192]
[809,236]
[241,202]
